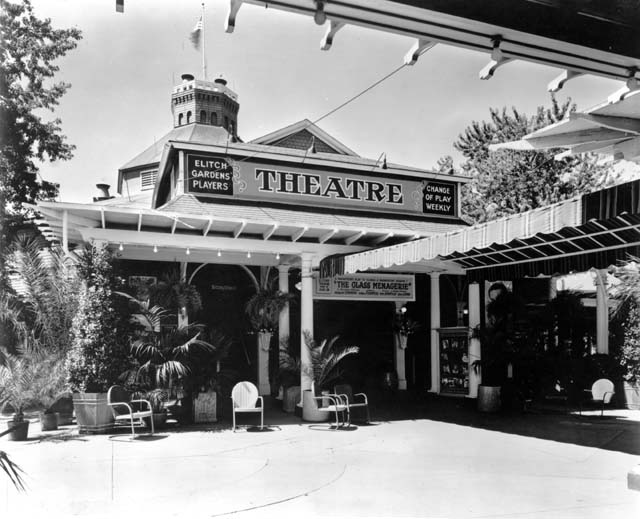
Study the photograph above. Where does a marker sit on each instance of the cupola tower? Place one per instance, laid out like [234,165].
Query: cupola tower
[196,101]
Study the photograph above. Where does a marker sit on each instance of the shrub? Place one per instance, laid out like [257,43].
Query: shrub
[100,351]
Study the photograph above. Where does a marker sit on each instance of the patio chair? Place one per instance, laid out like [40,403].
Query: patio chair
[331,403]
[601,393]
[244,399]
[345,391]
[125,409]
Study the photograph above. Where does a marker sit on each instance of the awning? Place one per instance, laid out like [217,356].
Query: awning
[612,128]
[593,230]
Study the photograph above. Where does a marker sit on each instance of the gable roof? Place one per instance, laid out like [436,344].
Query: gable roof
[300,135]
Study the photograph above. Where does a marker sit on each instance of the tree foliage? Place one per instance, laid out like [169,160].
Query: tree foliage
[99,353]
[508,182]
[29,49]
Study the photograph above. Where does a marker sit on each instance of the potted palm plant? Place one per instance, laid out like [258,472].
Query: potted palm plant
[324,369]
[163,352]
[497,343]
[49,385]
[18,375]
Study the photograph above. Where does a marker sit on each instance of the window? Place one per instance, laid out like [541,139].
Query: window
[214,118]
[203,116]
[189,117]
[180,120]
[148,179]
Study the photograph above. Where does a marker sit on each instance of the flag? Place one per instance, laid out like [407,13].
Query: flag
[119,6]
[196,33]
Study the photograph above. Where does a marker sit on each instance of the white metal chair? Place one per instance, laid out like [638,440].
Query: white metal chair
[244,399]
[119,399]
[332,403]
[601,393]
[357,401]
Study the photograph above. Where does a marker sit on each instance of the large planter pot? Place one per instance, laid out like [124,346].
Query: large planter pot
[291,399]
[48,421]
[93,414]
[21,431]
[489,400]
[64,418]
[159,420]
[631,394]
[310,411]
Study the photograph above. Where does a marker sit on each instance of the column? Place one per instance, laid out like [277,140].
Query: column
[435,324]
[283,320]
[474,343]
[65,231]
[284,330]
[399,356]
[183,318]
[602,312]
[306,318]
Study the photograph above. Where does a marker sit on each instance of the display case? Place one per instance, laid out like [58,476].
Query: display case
[454,360]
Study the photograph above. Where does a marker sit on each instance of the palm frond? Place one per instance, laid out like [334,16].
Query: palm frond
[13,471]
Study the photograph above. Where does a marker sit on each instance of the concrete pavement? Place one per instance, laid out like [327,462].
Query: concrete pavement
[427,458]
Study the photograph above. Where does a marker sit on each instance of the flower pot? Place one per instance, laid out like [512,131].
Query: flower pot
[48,421]
[291,399]
[489,400]
[631,394]
[21,431]
[310,411]
[93,414]
[159,421]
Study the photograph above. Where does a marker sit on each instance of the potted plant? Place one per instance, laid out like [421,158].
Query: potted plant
[287,375]
[157,398]
[403,327]
[625,331]
[166,355]
[99,351]
[497,341]
[49,385]
[263,310]
[324,369]
[18,375]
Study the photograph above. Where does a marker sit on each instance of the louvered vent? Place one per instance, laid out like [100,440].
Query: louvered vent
[148,179]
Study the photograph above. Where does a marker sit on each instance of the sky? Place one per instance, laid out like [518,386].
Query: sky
[126,64]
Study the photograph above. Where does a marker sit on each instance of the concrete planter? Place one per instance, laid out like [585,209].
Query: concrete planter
[631,395]
[93,414]
[310,411]
[489,400]
[48,421]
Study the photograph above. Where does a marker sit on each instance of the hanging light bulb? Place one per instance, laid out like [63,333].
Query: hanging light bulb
[188,251]
[219,253]
[248,254]
[155,249]
[277,255]
[121,247]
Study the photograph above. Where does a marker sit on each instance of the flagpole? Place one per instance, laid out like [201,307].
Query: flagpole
[204,46]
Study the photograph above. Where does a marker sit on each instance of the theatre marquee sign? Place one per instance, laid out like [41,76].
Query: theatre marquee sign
[366,287]
[214,176]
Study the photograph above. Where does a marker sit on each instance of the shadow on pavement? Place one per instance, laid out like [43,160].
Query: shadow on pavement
[615,433]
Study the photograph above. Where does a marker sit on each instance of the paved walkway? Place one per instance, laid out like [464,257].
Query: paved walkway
[430,457]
